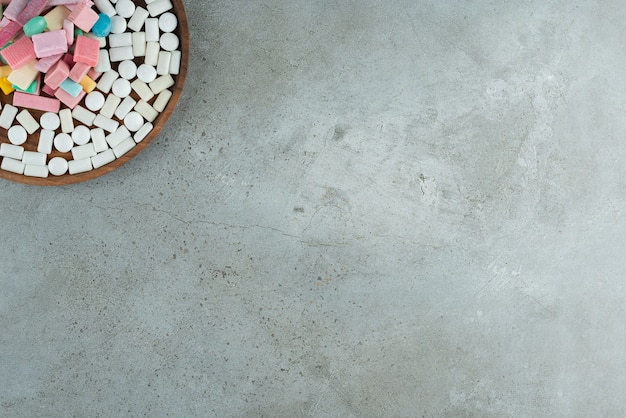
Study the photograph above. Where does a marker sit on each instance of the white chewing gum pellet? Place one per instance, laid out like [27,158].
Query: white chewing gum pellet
[83,115]
[110,105]
[118,136]
[148,112]
[67,122]
[105,123]
[94,101]
[118,24]
[152,30]
[11,151]
[14,166]
[83,151]
[120,39]
[46,139]
[143,132]
[63,142]
[121,88]
[121,53]
[123,147]
[36,171]
[161,83]
[34,158]
[134,121]
[57,166]
[169,41]
[127,69]
[7,116]
[17,135]
[106,81]
[50,121]
[126,106]
[79,166]
[27,121]
[105,6]
[104,63]
[163,63]
[150,1]
[152,53]
[137,19]
[99,140]
[168,22]
[125,8]
[81,135]
[103,158]
[175,62]
[139,44]
[146,73]
[142,89]
[159,6]
[162,100]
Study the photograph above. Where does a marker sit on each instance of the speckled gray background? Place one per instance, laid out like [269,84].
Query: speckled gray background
[359,209]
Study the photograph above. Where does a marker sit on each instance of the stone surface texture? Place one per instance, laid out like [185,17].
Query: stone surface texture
[359,209]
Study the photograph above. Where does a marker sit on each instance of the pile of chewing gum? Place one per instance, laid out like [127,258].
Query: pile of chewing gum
[87,79]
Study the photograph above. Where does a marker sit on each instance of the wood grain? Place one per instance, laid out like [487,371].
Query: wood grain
[31,144]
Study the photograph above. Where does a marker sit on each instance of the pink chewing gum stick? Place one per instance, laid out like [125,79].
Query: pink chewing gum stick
[14,9]
[86,50]
[84,17]
[68,59]
[19,53]
[46,104]
[48,90]
[57,74]
[46,63]
[67,98]
[78,71]
[33,9]
[9,31]
[93,74]
[50,43]
[70,4]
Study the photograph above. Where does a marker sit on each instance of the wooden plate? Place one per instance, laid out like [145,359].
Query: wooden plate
[182,32]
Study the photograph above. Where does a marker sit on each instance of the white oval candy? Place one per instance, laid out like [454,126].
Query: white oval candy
[133,121]
[125,8]
[127,69]
[94,101]
[57,166]
[17,135]
[118,24]
[146,73]
[168,22]
[50,121]
[63,142]
[169,42]
[81,135]
[121,88]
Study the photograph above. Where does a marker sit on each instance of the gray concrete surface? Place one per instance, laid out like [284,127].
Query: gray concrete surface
[360,209]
